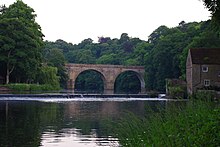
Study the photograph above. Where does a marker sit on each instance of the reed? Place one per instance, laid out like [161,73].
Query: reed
[197,123]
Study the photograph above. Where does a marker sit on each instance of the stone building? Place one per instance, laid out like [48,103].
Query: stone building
[203,69]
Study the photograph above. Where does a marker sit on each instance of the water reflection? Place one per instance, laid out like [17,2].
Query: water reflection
[76,123]
[72,137]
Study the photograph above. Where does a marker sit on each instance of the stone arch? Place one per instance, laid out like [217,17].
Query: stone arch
[109,73]
[139,76]
[85,70]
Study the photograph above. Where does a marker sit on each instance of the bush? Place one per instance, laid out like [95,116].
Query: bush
[207,95]
[32,87]
[19,87]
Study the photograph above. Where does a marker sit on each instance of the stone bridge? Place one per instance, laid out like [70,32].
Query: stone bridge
[109,74]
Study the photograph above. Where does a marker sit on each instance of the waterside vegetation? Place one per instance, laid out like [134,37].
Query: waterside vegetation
[20,87]
[194,123]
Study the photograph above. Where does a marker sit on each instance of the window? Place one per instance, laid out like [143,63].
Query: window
[205,69]
[206,82]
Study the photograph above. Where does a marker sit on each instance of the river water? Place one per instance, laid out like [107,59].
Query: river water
[65,122]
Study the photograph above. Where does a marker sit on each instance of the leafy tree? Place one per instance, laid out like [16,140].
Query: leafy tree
[85,43]
[71,56]
[214,7]
[109,59]
[158,33]
[130,62]
[104,39]
[66,47]
[85,57]
[207,38]
[48,76]
[55,58]
[2,8]
[21,42]
[141,52]
[163,60]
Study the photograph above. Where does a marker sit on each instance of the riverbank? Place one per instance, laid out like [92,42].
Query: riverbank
[27,88]
[195,123]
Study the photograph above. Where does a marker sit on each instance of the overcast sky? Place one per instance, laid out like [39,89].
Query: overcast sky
[76,20]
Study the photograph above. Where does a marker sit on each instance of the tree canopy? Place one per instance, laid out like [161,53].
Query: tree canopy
[21,43]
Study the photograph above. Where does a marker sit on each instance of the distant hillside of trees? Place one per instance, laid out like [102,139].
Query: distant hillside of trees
[163,54]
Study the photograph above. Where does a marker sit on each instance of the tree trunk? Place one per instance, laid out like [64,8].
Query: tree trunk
[8,72]
[7,75]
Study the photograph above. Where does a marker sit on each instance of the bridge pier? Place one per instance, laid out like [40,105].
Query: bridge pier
[109,87]
[71,85]
[108,91]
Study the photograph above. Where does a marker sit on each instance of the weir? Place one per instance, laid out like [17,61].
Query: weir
[77,96]
[57,98]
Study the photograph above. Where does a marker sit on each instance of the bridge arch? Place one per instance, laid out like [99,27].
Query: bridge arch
[137,74]
[109,74]
[103,78]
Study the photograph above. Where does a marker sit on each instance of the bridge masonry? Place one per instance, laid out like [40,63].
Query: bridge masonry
[109,73]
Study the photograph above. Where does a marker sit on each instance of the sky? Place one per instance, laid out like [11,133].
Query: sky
[76,20]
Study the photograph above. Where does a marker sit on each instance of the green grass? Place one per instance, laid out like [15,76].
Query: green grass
[31,87]
[197,123]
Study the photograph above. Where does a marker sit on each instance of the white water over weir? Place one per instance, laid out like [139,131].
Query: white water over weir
[79,97]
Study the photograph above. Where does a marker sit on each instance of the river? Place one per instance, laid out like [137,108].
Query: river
[65,122]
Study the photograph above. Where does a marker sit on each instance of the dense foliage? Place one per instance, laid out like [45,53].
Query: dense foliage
[21,44]
[214,7]
[193,124]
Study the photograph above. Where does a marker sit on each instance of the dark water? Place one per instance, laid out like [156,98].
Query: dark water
[64,124]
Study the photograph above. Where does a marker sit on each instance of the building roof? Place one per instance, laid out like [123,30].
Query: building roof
[205,55]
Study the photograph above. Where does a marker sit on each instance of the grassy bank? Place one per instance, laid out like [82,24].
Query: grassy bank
[196,123]
[31,87]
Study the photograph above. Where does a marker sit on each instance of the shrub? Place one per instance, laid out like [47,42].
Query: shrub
[32,87]
[19,87]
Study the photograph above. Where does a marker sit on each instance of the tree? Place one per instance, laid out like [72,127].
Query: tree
[109,59]
[2,8]
[9,33]
[48,76]
[55,58]
[158,33]
[104,39]
[214,7]
[85,57]
[21,42]
[164,56]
